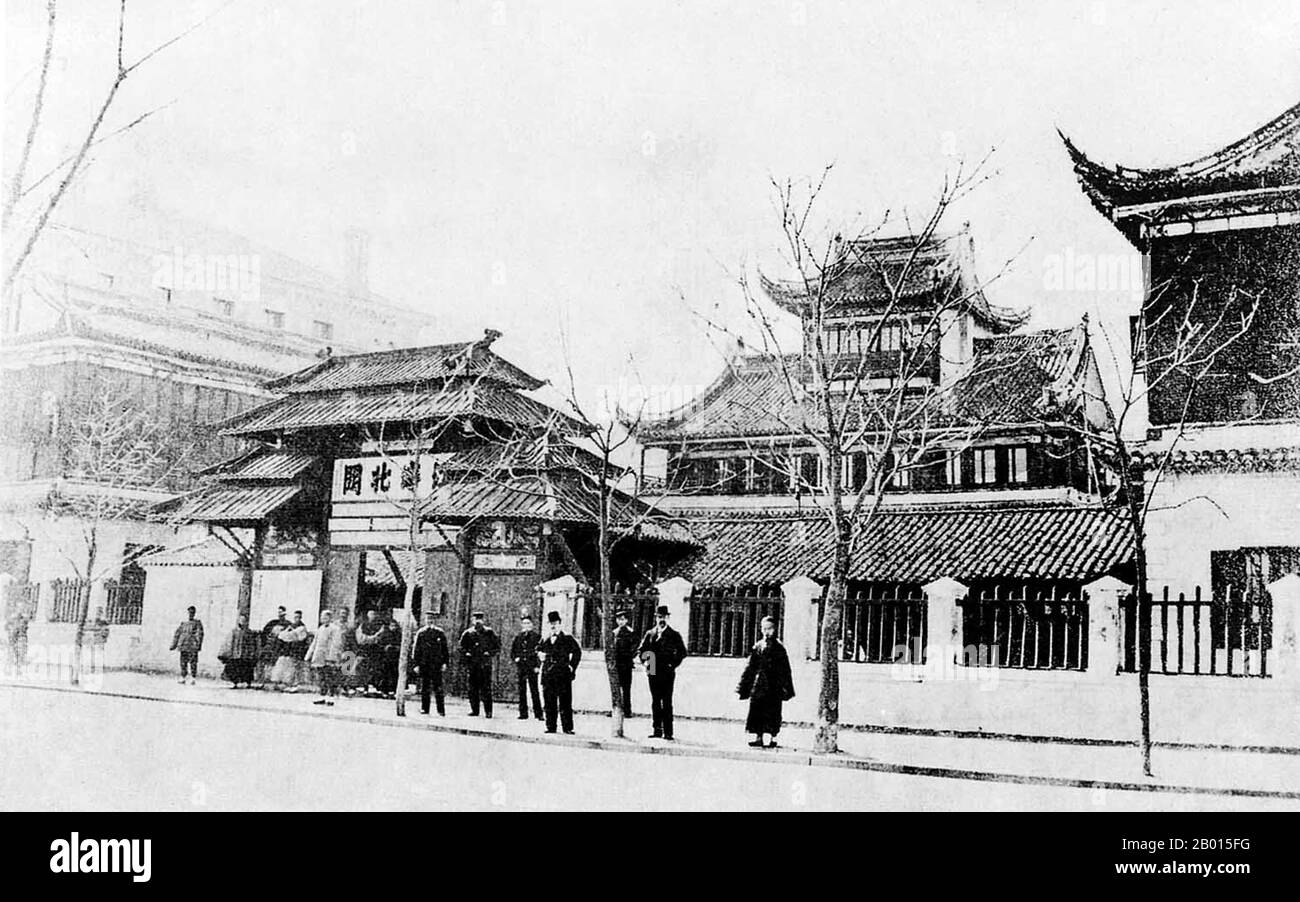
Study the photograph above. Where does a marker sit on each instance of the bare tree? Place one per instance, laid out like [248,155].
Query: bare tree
[618,513]
[118,461]
[885,400]
[64,172]
[1176,347]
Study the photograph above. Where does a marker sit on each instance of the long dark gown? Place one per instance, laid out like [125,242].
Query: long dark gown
[767,683]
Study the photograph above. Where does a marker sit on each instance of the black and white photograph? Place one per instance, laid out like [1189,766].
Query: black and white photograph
[791,406]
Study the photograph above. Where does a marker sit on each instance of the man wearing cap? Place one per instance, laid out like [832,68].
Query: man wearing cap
[523,651]
[188,640]
[562,656]
[624,654]
[662,651]
[478,646]
[429,656]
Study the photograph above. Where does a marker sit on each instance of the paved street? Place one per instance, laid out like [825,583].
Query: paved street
[66,750]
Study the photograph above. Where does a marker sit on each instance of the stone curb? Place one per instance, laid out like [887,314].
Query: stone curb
[781,756]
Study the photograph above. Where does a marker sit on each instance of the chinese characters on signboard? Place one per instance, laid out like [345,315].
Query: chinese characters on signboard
[388,478]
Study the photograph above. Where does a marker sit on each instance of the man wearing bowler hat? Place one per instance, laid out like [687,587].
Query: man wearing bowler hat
[662,651]
[558,669]
[478,646]
[624,656]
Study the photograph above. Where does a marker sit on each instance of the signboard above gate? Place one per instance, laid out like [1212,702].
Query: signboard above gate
[386,478]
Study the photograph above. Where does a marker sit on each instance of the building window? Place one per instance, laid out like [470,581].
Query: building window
[986,466]
[167,295]
[322,329]
[275,319]
[858,470]
[891,337]
[810,471]
[901,478]
[224,307]
[1018,464]
[953,469]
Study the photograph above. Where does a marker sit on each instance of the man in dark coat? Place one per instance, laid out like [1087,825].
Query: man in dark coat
[271,648]
[390,643]
[239,654]
[370,637]
[523,651]
[662,651]
[561,664]
[428,657]
[479,645]
[767,683]
[624,655]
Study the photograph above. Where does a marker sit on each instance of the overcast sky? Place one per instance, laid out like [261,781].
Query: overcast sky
[522,165]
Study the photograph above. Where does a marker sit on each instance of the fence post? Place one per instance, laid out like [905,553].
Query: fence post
[1104,633]
[675,593]
[799,614]
[1285,593]
[943,626]
[561,594]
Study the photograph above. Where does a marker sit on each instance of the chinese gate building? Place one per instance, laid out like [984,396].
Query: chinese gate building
[357,449]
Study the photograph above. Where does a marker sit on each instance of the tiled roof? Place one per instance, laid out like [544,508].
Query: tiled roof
[1266,158]
[561,496]
[1216,460]
[407,366]
[210,552]
[1006,386]
[378,573]
[527,453]
[940,268]
[222,503]
[184,336]
[263,465]
[396,405]
[915,545]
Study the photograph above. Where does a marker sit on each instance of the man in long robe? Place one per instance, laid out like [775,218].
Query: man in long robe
[767,683]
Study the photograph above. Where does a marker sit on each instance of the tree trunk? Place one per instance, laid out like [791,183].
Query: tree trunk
[83,609]
[826,735]
[607,617]
[408,618]
[1134,501]
[1144,647]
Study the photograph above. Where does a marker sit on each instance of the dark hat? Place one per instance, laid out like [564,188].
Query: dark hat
[662,609]
[620,613]
[477,615]
[553,617]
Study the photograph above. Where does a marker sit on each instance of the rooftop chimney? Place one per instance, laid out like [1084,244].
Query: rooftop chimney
[356,261]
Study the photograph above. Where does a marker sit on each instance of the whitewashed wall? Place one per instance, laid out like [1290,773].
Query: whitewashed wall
[1248,509]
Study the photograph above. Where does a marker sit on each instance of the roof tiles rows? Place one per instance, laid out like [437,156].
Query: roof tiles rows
[916,545]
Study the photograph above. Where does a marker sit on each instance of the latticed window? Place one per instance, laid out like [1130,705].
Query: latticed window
[952,469]
[1018,464]
[986,466]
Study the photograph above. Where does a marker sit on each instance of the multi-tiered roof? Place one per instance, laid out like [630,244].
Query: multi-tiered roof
[512,456]
[1256,176]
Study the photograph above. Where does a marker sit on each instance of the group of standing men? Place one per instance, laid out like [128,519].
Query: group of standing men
[551,663]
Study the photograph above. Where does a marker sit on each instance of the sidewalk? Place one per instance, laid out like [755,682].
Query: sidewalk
[1102,768]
